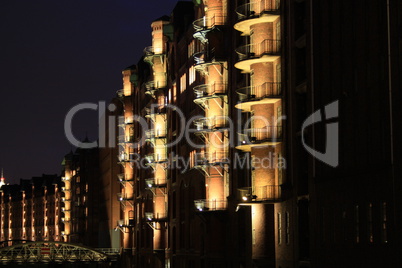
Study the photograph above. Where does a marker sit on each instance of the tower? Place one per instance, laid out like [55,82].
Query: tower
[2,179]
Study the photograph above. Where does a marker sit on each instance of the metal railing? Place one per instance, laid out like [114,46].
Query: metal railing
[266,90]
[151,216]
[210,123]
[150,51]
[260,193]
[158,158]
[152,133]
[255,9]
[207,90]
[150,183]
[210,204]
[206,23]
[266,47]
[123,197]
[203,159]
[253,135]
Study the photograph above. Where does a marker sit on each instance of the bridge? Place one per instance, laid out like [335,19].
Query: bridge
[54,251]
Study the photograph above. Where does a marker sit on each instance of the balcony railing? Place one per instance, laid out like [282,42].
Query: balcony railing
[207,23]
[124,157]
[120,93]
[255,135]
[271,193]
[124,197]
[211,123]
[255,9]
[150,216]
[266,90]
[150,51]
[252,51]
[155,134]
[210,204]
[210,159]
[153,183]
[205,90]
[153,159]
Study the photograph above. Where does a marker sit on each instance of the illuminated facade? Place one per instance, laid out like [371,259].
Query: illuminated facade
[246,74]
[31,211]
[169,210]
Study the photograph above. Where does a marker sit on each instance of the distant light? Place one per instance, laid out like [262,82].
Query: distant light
[245,198]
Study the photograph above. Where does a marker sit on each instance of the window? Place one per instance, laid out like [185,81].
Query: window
[370,223]
[287,223]
[279,229]
[183,83]
[191,75]
[357,224]
[384,237]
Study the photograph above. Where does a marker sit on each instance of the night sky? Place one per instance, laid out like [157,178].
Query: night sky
[55,55]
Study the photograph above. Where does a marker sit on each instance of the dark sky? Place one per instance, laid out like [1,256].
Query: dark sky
[55,55]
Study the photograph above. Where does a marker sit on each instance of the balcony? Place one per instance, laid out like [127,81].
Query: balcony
[150,52]
[126,158]
[150,88]
[266,193]
[206,24]
[202,160]
[203,59]
[256,12]
[205,205]
[155,183]
[255,93]
[120,93]
[155,217]
[153,159]
[152,134]
[123,179]
[271,135]
[252,51]
[205,92]
[211,124]
[126,223]
[123,139]
[269,92]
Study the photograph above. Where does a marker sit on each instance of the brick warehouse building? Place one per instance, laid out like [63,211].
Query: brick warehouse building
[264,66]
[251,73]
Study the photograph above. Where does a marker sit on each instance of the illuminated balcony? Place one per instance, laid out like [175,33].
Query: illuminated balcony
[206,24]
[155,217]
[152,134]
[151,113]
[266,193]
[204,59]
[205,92]
[123,139]
[206,205]
[269,92]
[150,88]
[123,122]
[151,52]
[153,159]
[123,179]
[126,223]
[266,51]
[271,135]
[203,160]
[156,186]
[124,199]
[256,12]
[210,124]
[120,93]
[126,158]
